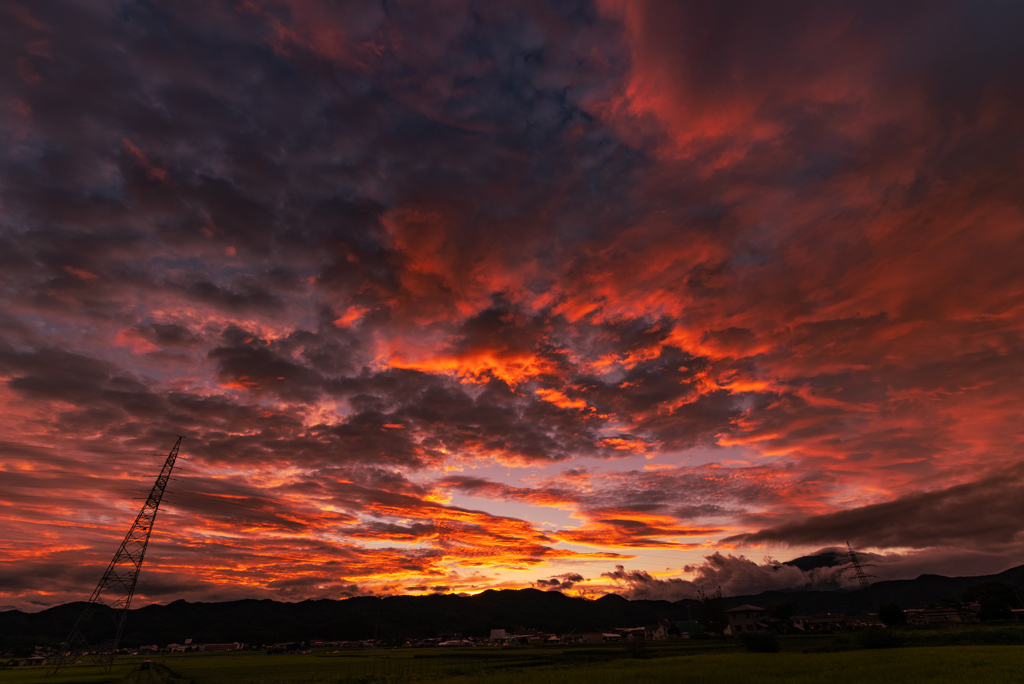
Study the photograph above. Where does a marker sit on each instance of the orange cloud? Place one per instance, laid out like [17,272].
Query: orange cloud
[611,528]
[512,367]
[560,400]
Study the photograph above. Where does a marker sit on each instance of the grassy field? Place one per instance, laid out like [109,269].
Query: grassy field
[700,661]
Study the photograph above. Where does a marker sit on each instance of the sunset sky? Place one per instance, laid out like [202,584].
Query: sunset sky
[588,296]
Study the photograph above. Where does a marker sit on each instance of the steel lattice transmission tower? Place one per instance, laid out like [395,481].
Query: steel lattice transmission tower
[113,595]
[858,568]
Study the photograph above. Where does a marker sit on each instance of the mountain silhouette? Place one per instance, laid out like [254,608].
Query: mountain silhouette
[266,621]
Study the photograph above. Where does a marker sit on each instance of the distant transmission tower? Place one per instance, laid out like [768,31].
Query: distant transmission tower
[858,569]
[113,595]
[867,596]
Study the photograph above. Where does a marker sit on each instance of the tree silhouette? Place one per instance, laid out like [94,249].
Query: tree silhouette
[711,612]
[782,611]
[891,615]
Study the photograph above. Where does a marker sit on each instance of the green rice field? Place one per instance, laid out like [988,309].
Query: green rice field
[699,661]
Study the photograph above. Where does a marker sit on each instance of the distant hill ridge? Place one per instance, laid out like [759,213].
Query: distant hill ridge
[825,559]
[266,621]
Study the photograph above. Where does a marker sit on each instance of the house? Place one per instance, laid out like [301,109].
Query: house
[497,634]
[635,633]
[658,632]
[457,643]
[745,618]
[34,660]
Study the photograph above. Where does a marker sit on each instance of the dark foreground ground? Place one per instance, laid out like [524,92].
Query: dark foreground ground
[951,657]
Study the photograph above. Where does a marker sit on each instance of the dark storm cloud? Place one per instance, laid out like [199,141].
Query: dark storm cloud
[245,292]
[54,373]
[129,405]
[273,164]
[978,514]
[259,366]
[734,575]
[510,332]
[167,140]
[168,334]
[199,163]
[496,420]
[560,582]
[55,570]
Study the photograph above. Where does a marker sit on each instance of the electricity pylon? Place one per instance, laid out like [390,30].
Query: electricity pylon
[857,568]
[862,577]
[113,595]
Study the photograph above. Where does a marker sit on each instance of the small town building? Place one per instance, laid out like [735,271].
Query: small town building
[822,622]
[590,638]
[32,661]
[658,632]
[745,618]
[219,648]
[635,633]
[938,616]
[457,642]
[863,620]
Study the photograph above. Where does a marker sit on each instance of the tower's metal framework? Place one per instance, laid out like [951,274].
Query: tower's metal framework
[868,601]
[113,595]
[858,567]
